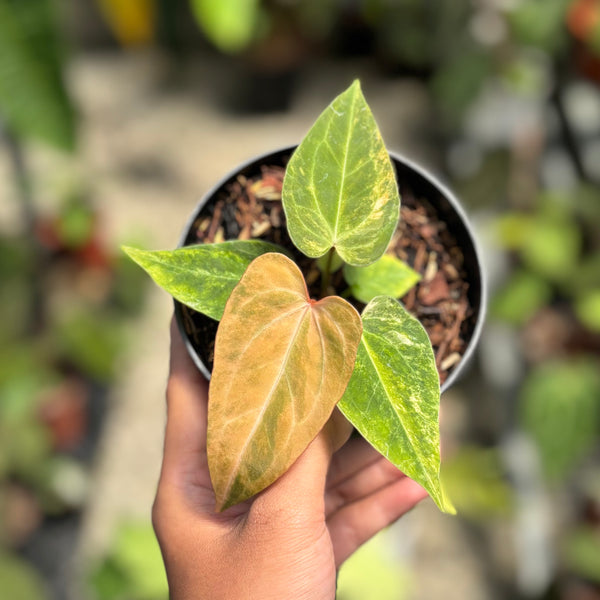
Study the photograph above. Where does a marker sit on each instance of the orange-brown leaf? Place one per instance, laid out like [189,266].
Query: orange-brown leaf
[282,362]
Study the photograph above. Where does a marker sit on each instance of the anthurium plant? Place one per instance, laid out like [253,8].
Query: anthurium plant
[283,360]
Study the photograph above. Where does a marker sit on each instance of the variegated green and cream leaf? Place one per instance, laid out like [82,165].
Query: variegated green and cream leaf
[388,276]
[393,395]
[203,276]
[339,188]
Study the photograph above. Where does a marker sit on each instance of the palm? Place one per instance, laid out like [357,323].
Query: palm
[296,533]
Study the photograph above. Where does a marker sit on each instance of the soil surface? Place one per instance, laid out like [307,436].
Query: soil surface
[249,207]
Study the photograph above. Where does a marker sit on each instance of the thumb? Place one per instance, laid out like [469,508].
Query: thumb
[300,490]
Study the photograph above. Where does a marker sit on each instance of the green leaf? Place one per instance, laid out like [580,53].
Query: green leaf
[90,339]
[138,554]
[476,481]
[282,362]
[540,24]
[521,298]
[581,551]
[229,24]
[549,241]
[339,188]
[374,572]
[33,98]
[586,276]
[201,277]
[560,409]
[394,393]
[552,247]
[388,276]
[587,308]
[133,568]
[513,229]
[20,581]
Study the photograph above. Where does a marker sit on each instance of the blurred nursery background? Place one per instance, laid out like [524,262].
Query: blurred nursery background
[117,115]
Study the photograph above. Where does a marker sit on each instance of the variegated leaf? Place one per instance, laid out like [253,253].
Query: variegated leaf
[201,277]
[282,362]
[394,393]
[339,188]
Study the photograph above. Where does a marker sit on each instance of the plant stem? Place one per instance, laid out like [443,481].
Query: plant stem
[24,194]
[326,276]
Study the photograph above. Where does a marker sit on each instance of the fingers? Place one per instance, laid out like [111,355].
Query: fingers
[338,429]
[377,474]
[301,488]
[187,398]
[355,523]
[350,459]
[298,494]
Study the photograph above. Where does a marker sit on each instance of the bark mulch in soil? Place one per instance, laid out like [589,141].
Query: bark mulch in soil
[249,207]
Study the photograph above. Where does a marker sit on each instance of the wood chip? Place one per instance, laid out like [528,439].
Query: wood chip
[431,269]
[435,290]
[450,271]
[259,229]
[220,235]
[450,361]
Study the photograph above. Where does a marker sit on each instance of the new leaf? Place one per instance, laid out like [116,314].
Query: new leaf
[282,362]
[388,276]
[201,277]
[393,395]
[339,188]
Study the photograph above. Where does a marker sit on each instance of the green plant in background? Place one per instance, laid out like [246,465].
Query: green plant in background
[132,569]
[60,343]
[52,377]
[581,553]
[540,25]
[33,99]
[237,26]
[477,482]
[19,580]
[231,25]
[374,571]
[560,409]
[549,243]
[559,399]
[549,298]
[342,207]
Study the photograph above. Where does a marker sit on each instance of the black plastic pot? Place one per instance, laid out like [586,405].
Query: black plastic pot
[410,176]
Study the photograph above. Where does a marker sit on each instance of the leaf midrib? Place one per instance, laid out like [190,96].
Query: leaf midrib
[344,166]
[408,436]
[266,403]
[181,269]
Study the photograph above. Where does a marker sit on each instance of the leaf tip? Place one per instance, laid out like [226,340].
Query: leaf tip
[444,503]
[355,89]
[131,251]
[222,505]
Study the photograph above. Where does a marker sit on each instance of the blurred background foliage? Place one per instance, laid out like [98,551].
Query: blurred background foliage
[515,97]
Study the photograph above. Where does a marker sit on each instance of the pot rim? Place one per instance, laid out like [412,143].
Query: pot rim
[411,164]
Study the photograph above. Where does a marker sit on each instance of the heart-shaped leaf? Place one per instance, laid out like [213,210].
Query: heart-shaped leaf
[394,393]
[282,362]
[339,188]
[388,276]
[201,277]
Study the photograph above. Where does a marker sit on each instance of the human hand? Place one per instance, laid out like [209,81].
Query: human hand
[290,539]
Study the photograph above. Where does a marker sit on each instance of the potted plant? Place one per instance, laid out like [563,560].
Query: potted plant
[269,303]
